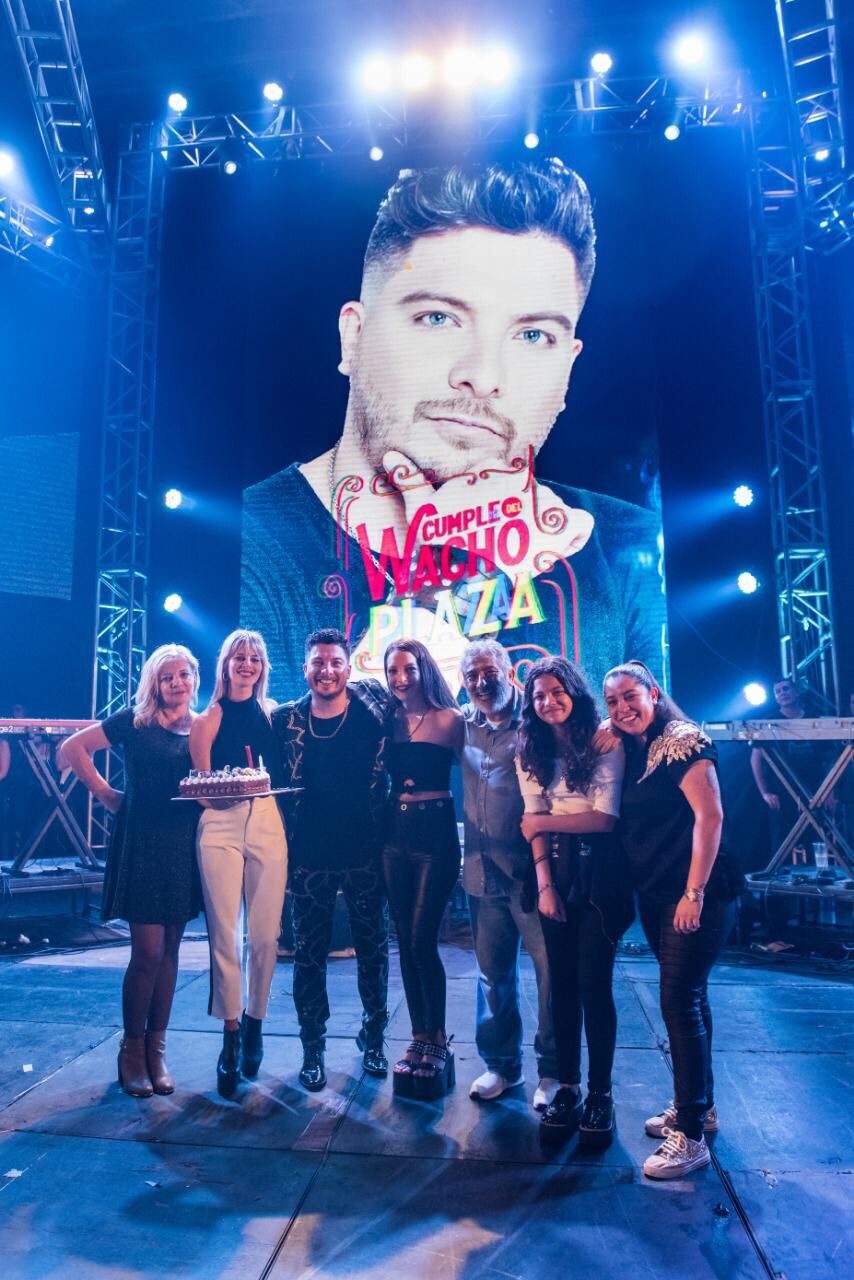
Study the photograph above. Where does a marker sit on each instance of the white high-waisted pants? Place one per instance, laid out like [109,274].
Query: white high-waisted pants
[243,853]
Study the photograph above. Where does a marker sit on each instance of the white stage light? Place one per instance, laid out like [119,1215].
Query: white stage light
[691,49]
[89,210]
[747,583]
[822,153]
[755,693]
[48,244]
[601,63]
[376,75]
[7,164]
[416,72]
[742,495]
[376,153]
[273,92]
[230,167]
[173,499]
[532,141]
[177,103]
[672,132]
[460,69]
[173,602]
[496,66]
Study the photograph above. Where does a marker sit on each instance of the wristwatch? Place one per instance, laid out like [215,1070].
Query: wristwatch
[693,895]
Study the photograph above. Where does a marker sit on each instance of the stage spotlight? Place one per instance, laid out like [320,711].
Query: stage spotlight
[177,103]
[376,153]
[416,72]
[173,499]
[48,244]
[691,49]
[376,75]
[532,141]
[273,92]
[7,164]
[822,153]
[496,66]
[173,602]
[672,132]
[89,210]
[601,63]
[460,69]
[743,495]
[230,167]
[747,583]
[756,694]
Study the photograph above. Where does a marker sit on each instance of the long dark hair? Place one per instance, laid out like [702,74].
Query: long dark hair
[434,686]
[665,708]
[538,745]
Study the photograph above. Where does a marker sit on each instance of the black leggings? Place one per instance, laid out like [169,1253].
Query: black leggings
[421,861]
[686,960]
[581,967]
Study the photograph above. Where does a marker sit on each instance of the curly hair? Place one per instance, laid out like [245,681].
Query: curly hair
[538,745]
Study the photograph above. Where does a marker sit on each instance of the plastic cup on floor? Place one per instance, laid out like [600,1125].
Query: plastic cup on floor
[819,854]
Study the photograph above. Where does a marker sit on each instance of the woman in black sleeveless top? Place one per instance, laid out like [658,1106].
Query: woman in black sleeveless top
[421,858]
[242,854]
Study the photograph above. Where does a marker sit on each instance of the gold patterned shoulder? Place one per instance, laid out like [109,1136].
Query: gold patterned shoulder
[680,740]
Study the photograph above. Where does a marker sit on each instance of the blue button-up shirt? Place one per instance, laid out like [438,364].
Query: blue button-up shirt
[495,849]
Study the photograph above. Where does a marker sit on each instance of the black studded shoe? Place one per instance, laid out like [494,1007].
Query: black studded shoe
[432,1080]
[313,1073]
[596,1128]
[251,1046]
[228,1066]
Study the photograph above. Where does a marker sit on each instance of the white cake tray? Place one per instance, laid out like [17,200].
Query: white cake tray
[256,795]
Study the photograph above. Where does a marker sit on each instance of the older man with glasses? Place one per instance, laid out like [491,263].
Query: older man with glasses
[496,863]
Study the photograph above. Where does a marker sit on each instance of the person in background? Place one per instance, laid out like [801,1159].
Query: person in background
[151,879]
[572,801]
[670,825]
[242,854]
[496,867]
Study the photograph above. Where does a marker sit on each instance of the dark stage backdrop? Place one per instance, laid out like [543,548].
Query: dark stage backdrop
[256,271]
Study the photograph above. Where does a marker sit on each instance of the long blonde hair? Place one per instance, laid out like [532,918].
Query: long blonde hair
[147,702]
[230,645]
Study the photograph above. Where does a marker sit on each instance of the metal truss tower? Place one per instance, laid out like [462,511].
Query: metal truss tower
[123,550]
[799,199]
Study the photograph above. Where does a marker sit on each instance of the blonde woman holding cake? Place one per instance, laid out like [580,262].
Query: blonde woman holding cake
[242,854]
[151,879]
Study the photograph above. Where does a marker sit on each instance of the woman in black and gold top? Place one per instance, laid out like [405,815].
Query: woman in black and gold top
[670,822]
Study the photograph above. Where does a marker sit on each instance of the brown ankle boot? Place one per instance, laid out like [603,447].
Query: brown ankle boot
[155,1056]
[133,1072]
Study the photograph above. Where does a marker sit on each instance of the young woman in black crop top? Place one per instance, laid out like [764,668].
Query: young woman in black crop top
[242,853]
[421,858]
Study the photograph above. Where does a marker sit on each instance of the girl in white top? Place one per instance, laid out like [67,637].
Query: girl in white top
[572,802]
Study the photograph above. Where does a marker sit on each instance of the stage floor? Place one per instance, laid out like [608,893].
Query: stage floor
[351,1183]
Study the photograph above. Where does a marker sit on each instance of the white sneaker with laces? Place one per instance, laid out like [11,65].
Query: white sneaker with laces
[544,1094]
[491,1085]
[676,1156]
[666,1119]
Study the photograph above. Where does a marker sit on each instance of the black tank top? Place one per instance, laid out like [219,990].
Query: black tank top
[419,766]
[244,724]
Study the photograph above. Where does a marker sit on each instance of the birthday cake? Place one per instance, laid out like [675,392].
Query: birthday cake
[227,783]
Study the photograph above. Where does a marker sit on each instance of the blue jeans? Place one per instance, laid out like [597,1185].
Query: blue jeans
[499,925]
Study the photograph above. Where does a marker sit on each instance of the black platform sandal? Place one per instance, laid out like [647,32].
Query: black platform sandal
[401,1080]
[432,1080]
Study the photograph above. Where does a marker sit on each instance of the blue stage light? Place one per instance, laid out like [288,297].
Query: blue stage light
[822,154]
[173,602]
[742,495]
[755,693]
[173,499]
[601,63]
[177,103]
[532,140]
[7,164]
[747,583]
[672,132]
[691,49]
[230,167]
[273,92]
[376,153]
[376,75]
[496,66]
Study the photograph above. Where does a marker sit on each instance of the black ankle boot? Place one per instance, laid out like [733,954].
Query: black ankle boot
[313,1074]
[373,1060]
[252,1046]
[227,1068]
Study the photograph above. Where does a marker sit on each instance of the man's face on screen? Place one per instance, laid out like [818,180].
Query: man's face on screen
[462,352]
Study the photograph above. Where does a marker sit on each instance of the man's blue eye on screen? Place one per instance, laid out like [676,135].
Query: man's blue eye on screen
[433,319]
[536,337]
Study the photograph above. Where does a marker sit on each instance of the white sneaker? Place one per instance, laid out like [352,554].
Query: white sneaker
[491,1085]
[666,1119]
[544,1094]
[676,1156]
